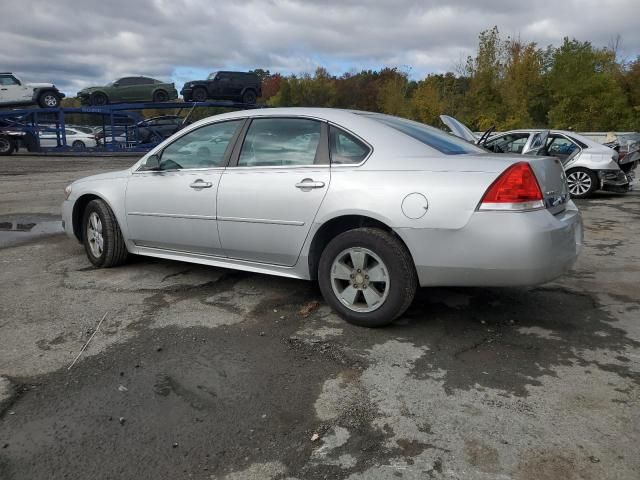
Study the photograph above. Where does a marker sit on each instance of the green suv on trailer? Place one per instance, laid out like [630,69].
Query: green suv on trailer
[243,87]
[129,89]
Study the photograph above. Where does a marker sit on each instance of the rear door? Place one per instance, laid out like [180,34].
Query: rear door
[271,192]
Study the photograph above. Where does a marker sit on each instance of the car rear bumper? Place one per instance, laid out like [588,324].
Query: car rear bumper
[614,181]
[498,249]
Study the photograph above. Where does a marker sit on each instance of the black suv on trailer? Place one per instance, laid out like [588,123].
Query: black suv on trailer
[242,87]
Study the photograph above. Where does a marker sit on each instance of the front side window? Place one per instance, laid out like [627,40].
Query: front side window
[432,137]
[280,142]
[345,148]
[204,147]
[8,80]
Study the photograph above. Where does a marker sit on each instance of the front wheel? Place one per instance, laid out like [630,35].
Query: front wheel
[98,99]
[199,95]
[367,276]
[582,182]
[78,145]
[102,237]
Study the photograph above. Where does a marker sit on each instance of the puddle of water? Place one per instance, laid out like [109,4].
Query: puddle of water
[19,229]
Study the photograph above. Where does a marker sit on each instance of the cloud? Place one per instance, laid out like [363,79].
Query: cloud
[76,43]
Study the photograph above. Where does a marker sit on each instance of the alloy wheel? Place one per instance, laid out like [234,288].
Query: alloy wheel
[94,235]
[360,279]
[50,100]
[579,182]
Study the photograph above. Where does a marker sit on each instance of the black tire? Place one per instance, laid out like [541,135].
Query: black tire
[160,96]
[98,99]
[199,94]
[582,182]
[402,283]
[114,251]
[79,144]
[249,97]
[49,99]
[7,146]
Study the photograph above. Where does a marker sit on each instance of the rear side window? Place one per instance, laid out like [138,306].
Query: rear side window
[345,148]
[432,137]
[277,142]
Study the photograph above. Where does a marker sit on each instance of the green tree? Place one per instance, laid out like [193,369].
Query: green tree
[584,93]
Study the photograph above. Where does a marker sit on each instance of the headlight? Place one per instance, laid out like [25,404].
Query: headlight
[67,192]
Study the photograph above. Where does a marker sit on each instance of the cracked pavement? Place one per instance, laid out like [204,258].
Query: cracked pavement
[206,373]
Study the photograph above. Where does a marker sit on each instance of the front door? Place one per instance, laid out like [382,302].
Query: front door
[12,91]
[269,197]
[174,207]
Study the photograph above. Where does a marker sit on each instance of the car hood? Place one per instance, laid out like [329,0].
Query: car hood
[103,176]
[40,85]
[89,89]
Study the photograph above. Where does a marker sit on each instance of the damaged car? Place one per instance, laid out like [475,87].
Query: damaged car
[589,166]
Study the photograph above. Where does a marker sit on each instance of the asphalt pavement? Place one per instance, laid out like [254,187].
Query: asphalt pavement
[207,373]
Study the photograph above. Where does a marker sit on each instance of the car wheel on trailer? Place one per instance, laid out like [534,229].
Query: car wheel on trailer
[102,237]
[7,146]
[49,100]
[582,182]
[98,99]
[367,276]
[79,144]
[160,96]
[199,94]
[249,97]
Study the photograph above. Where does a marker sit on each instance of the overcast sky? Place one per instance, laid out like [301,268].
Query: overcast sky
[75,43]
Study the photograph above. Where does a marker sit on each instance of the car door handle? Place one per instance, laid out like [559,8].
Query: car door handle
[201,184]
[2,88]
[309,183]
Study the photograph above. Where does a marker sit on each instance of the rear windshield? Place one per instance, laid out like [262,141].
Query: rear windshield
[433,137]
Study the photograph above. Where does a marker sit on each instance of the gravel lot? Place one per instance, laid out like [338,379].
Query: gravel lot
[208,373]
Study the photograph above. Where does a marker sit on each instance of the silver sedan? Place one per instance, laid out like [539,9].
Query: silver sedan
[370,205]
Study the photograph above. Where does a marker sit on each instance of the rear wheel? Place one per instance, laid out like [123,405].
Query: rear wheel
[99,99]
[160,96]
[49,99]
[249,97]
[79,144]
[199,94]
[7,146]
[102,237]
[367,276]
[582,182]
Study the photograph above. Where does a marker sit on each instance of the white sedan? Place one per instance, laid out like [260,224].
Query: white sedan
[75,138]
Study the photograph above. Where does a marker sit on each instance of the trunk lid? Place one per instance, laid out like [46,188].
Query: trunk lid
[459,129]
[553,182]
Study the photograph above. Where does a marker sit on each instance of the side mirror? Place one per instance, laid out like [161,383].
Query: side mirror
[152,163]
[116,84]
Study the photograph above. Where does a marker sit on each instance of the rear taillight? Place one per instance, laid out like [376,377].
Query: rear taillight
[516,189]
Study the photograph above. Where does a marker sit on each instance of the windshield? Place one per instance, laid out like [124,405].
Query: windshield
[430,136]
[212,76]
